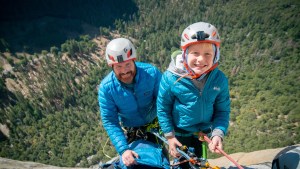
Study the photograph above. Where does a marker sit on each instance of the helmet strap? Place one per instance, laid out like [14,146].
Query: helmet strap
[217,53]
[200,77]
[185,58]
[191,72]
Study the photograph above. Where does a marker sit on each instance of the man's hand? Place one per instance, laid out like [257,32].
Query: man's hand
[128,157]
[215,142]
[173,143]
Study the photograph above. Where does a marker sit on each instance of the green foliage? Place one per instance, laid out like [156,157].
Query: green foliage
[104,31]
[4,46]
[54,50]
[259,54]
[57,123]
[79,48]
[11,61]
[58,114]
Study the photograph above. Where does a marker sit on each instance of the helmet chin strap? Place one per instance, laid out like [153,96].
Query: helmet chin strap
[217,53]
[199,77]
[191,72]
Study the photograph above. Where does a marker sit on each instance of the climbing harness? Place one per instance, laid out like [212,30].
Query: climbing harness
[136,133]
[188,155]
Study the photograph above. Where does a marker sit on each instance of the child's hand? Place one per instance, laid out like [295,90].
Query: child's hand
[173,143]
[215,142]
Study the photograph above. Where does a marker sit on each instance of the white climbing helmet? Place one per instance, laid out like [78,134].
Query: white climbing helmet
[119,50]
[200,32]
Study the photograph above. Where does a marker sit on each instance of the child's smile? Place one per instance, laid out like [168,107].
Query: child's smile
[200,57]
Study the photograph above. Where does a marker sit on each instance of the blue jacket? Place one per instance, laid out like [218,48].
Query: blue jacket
[135,108]
[150,156]
[180,104]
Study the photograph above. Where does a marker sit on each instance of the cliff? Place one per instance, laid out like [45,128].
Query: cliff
[254,160]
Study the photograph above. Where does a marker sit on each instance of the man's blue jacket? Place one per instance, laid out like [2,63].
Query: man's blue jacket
[120,106]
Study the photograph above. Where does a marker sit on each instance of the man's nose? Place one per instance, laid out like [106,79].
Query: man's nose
[125,69]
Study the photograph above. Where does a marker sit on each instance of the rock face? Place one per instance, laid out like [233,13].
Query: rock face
[254,160]
[14,164]
[246,159]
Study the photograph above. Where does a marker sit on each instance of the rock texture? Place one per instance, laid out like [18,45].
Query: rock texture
[254,160]
[14,164]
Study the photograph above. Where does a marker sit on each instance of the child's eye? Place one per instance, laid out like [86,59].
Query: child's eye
[208,54]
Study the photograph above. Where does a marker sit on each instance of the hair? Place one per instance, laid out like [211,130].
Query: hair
[205,44]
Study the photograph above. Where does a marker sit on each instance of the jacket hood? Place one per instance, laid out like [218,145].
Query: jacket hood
[176,65]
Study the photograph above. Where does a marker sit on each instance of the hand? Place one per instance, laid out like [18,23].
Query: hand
[128,157]
[216,142]
[173,143]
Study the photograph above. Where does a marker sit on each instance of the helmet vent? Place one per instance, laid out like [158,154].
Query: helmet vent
[201,35]
[111,58]
[129,53]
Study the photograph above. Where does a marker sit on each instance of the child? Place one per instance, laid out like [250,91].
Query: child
[193,94]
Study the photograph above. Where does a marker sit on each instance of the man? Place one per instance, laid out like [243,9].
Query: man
[127,96]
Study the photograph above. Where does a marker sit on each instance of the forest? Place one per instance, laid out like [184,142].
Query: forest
[48,85]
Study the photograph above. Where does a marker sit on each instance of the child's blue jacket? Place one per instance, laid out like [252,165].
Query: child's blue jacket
[180,104]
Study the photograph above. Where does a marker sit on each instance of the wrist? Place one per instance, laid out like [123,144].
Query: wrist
[170,135]
[121,153]
[217,132]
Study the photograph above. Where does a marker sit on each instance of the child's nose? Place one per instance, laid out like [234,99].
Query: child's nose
[200,58]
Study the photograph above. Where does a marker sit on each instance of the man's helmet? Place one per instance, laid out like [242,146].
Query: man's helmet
[200,32]
[119,50]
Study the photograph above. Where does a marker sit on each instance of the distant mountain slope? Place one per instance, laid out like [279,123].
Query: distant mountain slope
[34,25]
[48,99]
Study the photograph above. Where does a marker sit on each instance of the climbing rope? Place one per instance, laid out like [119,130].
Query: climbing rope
[204,137]
[104,147]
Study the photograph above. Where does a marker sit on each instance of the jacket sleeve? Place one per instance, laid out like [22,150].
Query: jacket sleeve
[165,101]
[110,120]
[222,108]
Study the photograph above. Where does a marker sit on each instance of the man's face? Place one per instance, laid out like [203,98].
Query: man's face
[125,71]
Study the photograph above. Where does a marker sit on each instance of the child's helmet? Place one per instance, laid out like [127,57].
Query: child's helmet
[119,50]
[200,32]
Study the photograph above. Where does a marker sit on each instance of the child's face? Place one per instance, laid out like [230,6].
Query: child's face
[200,57]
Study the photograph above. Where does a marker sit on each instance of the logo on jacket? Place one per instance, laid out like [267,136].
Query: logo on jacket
[147,93]
[216,88]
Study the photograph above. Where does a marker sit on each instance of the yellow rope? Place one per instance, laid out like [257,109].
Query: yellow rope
[104,147]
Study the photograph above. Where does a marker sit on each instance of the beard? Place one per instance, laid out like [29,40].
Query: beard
[126,77]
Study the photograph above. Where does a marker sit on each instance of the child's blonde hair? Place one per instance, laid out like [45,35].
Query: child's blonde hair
[205,45]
